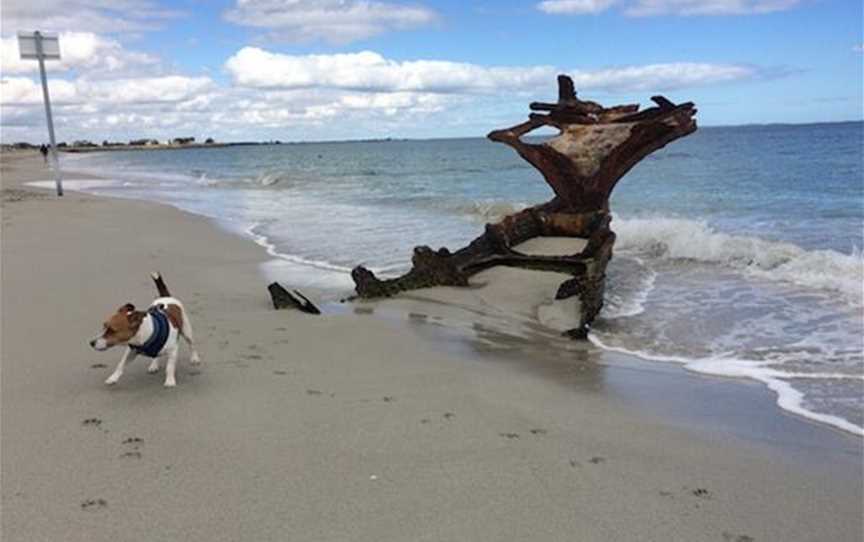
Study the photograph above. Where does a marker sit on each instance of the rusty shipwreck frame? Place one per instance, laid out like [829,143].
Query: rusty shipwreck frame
[595,148]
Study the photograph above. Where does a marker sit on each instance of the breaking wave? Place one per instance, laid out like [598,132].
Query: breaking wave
[629,283]
[674,238]
[262,180]
[488,211]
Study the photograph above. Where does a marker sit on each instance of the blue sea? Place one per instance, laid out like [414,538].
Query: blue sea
[739,249]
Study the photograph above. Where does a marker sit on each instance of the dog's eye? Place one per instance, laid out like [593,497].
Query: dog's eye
[108,331]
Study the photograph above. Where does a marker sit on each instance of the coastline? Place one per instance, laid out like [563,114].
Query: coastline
[283,429]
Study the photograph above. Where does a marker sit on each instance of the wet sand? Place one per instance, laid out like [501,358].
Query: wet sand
[415,419]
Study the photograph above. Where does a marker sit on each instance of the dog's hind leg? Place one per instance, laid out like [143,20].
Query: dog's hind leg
[170,368]
[128,356]
[154,366]
[186,333]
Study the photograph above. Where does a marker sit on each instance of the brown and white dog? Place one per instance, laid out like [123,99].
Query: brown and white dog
[153,333]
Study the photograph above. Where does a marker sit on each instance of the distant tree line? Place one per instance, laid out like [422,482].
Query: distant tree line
[86,143]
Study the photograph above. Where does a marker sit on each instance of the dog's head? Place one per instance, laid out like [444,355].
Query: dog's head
[119,327]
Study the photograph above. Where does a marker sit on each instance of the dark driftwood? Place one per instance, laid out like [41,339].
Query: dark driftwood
[283,299]
[596,146]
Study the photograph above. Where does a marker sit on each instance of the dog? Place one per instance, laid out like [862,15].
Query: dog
[153,333]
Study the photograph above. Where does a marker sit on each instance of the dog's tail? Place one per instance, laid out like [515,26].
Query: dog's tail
[160,284]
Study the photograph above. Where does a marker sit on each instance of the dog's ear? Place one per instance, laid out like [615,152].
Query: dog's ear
[128,307]
[135,318]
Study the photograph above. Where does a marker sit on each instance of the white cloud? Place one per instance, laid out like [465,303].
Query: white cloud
[369,71]
[101,16]
[393,102]
[168,89]
[662,77]
[306,110]
[641,8]
[644,8]
[98,87]
[25,91]
[271,95]
[305,107]
[574,7]
[334,21]
[16,91]
[83,112]
[83,51]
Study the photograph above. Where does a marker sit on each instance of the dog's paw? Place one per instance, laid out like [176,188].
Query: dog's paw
[195,359]
[170,383]
[153,368]
[111,380]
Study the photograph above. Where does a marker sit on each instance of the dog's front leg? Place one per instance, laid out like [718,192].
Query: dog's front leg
[154,366]
[170,368]
[128,356]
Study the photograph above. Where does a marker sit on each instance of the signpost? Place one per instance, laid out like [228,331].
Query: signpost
[42,47]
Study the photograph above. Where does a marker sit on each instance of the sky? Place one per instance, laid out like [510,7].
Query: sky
[306,70]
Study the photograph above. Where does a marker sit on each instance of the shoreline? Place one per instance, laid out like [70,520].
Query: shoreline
[687,457]
[281,267]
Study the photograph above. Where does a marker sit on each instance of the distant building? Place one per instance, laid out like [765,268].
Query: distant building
[183,140]
[143,142]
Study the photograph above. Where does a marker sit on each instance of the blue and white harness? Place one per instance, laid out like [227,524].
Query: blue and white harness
[161,330]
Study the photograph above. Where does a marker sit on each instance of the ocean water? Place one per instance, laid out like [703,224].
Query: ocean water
[738,252]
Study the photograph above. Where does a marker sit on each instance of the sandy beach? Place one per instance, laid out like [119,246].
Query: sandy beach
[375,421]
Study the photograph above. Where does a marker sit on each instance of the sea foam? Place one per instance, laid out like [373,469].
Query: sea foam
[676,238]
[788,397]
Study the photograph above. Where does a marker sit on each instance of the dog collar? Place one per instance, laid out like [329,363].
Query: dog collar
[153,345]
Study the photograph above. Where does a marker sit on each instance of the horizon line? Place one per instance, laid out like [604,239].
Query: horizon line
[250,142]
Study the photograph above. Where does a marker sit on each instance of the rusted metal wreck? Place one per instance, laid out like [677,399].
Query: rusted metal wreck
[596,146]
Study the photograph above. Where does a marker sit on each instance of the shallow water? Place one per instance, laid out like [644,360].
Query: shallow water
[738,253]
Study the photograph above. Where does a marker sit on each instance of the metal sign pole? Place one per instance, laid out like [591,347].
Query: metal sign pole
[55,163]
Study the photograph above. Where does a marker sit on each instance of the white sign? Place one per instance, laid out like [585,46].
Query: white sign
[29,49]
[42,47]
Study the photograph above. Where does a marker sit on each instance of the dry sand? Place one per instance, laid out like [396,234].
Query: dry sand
[356,427]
